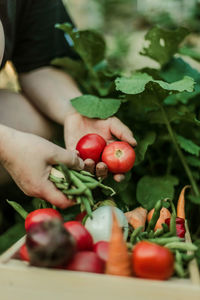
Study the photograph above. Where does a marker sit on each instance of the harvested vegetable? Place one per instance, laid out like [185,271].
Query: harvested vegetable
[152,261]
[119,157]
[81,235]
[41,215]
[86,261]
[164,214]
[49,244]
[100,225]
[137,217]
[101,249]
[180,226]
[91,146]
[23,253]
[181,203]
[118,262]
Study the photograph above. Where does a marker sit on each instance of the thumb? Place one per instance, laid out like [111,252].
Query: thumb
[67,157]
[51,194]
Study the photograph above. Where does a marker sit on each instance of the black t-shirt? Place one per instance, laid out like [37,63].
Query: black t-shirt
[31,40]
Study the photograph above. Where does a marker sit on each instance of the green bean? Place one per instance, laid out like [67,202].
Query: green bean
[172,226]
[187,257]
[144,234]
[155,216]
[158,232]
[179,270]
[135,234]
[164,241]
[151,234]
[64,169]
[88,194]
[83,172]
[84,178]
[165,227]
[75,191]
[78,200]
[87,206]
[91,185]
[55,179]
[181,246]
[62,186]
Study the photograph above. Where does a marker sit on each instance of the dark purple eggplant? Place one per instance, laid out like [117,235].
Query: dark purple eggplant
[49,244]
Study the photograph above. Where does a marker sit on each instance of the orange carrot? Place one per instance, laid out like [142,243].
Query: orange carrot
[118,262]
[137,217]
[164,214]
[181,203]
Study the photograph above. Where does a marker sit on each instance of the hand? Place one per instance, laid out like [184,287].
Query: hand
[29,159]
[76,126]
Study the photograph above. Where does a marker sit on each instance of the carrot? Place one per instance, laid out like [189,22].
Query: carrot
[137,217]
[118,262]
[164,214]
[181,203]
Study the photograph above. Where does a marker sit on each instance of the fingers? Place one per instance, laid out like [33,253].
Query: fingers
[89,165]
[119,177]
[68,157]
[122,132]
[51,194]
[101,170]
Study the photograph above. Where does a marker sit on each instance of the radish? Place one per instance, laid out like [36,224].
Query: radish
[101,249]
[100,224]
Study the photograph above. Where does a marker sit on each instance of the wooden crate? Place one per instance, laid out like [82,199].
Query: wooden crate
[19,281]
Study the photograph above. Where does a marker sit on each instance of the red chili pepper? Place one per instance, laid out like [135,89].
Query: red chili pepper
[180,226]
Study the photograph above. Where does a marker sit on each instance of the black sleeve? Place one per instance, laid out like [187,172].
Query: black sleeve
[37,40]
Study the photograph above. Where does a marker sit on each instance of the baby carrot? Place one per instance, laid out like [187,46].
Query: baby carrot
[181,203]
[137,217]
[118,262]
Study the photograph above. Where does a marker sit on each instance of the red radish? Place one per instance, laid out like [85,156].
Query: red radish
[86,261]
[81,235]
[81,216]
[23,253]
[41,215]
[91,146]
[119,157]
[101,249]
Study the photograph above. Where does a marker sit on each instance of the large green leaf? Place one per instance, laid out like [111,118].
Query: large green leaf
[143,145]
[11,236]
[193,161]
[89,44]
[95,107]
[163,43]
[136,84]
[151,189]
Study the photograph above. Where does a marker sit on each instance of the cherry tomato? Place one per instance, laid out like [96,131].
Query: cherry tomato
[23,253]
[119,157]
[101,249]
[82,236]
[86,261]
[40,215]
[152,261]
[91,146]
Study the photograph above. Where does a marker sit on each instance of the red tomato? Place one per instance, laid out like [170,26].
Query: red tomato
[152,261]
[86,261]
[101,249]
[91,146]
[40,215]
[23,253]
[119,157]
[81,235]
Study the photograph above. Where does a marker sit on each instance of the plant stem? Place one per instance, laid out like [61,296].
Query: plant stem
[180,154]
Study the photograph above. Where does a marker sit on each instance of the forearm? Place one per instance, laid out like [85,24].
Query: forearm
[6,135]
[50,90]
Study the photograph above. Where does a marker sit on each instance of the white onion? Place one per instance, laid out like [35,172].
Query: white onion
[101,223]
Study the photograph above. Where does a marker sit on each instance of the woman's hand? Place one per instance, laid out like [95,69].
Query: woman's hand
[29,159]
[76,126]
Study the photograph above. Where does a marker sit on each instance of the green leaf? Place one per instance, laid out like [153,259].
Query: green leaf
[193,161]
[143,145]
[191,52]
[89,44]
[163,43]
[137,82]
[95,107]
[152,189]
[118,187]
[194,199]
[174,71]
[11,236]
[21,211]
[188,145]
[73,67]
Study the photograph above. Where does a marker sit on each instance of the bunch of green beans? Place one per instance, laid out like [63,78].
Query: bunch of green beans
[77,186]
[166,236]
